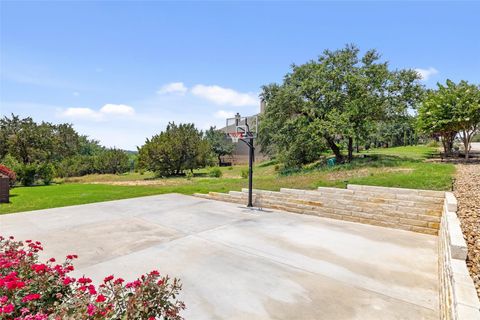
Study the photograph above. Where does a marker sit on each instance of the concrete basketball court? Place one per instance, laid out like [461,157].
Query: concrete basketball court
[235,263]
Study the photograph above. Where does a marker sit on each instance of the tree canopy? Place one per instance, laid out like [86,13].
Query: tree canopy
[335,98]
[449,110]
[221,146]
[40,151]
[178,148]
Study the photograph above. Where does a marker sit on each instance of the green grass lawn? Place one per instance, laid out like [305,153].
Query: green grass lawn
[394,167]
[409,152]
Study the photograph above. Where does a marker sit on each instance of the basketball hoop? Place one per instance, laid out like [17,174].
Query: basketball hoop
[235,136]
[245,129]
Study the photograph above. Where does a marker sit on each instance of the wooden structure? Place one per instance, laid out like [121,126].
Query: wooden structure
[4,189]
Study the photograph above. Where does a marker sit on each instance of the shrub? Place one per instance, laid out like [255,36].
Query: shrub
[314,165]
[46,172]
[30,289]
[189,175]
[244,173]
[27,174]
[215,172]
[12,177]
[76,166]
[433,144]
[112,161]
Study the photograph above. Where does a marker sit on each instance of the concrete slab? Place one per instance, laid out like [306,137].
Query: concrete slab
[241,264]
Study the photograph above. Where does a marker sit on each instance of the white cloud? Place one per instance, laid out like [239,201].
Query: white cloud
[222,114]
[173,87]
[76,93]
[117,109]
[426,73]
[225,96]
[80,113]
[90,114]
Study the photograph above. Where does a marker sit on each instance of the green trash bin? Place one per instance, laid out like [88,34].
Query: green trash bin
[331,162]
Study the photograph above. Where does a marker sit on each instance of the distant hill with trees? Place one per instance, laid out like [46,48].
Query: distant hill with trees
[42,151]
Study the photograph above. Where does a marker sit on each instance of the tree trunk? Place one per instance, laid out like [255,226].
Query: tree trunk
[350,149]
[466,139]
[335,149]
[219,160]
[447,141]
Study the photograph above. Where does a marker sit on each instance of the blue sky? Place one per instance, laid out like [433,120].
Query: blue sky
[119,71]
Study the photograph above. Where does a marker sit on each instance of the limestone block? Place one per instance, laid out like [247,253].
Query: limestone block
[333,190]
[424,230]
[434,225]
[410,210]
[401,203]
[465,292]
[428,218]
[361,215]
[466,312]
[388,219]
[342,212]
[431,193]
[451,202]
[383,189]
[371,194]
[413,222]
[419,199]
[292,191]
[457,243]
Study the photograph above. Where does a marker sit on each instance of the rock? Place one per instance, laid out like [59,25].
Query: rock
[467,191]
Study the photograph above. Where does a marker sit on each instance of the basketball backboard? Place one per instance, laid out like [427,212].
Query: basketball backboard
[248,126]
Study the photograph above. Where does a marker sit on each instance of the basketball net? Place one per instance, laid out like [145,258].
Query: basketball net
[235,136]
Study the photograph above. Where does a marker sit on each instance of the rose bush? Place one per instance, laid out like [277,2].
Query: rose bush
[31,290]
[9,173]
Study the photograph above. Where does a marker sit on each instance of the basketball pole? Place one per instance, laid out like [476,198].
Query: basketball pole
[248,137]
[250,172]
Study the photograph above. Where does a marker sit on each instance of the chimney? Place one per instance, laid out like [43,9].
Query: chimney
[262,106]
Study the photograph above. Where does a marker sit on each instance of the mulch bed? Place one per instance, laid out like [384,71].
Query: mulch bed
[467,191]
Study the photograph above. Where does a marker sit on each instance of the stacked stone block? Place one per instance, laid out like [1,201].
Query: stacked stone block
[406,209]
[458,297]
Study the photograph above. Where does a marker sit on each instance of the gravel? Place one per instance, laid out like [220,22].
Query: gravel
[467,191]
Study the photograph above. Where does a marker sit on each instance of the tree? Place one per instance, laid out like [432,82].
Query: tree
[336,97]
[397,131]
[467,112]
[30,142]
[178,148]
[43,150]
[451,109]
[219,143]
[112,161]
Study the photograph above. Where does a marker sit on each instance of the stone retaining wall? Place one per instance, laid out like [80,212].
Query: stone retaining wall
[458,297]
[406,209]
